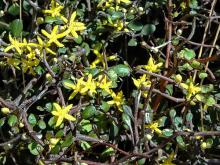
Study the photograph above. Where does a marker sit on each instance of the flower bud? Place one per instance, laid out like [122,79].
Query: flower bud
[179,32]
[40,20]
[148,137]
[203,145]
[178,78]
[5,110]
[141,9]
[49,77]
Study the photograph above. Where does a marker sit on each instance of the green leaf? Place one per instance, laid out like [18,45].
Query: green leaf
[16,27]
[51,20]
[207,88]
[187,54]
[162,121]
[78,40]
[210,101]
[135,25]
[112,74]
[42,124]
[32,119]
[193,4]
[86,47]
[116,15]
[67,84]
[203,75]
[2,121]
[167,132]
[14,9]
[172,113]
[49,107]
[35,148]
[85,145]
[59,134]
[52,121]
[180,141]
[86,125]
[189,117]
[105,106]
[89,112]
[68,141]
[122,70]
[12,120]
[148,29]
[114,130]
[132,42]
[128,111]
[108,151]
[127,120]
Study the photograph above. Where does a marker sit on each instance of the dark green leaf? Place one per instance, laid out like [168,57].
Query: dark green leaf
[35,148]
[68,141]
[167,132]
[16,28]
[32,119]
[189,117]
[41,124]
[135,25]
[88,112]
[132,42]
[12,120]
[14,9]
[122,70]
[105,106]
[148,29]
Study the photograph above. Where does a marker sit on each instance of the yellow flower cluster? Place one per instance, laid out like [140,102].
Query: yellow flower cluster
[28,51]
[89,86]
[144,80]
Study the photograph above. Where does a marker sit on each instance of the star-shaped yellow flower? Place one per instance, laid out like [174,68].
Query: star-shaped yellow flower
[118,100]
[152,66]
[75,87]
[100,59]
[14,44]
[62,113]
[55,10]
[191,89]
[169,159]
[104,84]
[54,36]
[154,127]
[89,86]
[75,26]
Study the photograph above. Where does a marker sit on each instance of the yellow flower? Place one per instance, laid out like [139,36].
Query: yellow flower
[54,36]
[89,86]
[118,100]
[75,87]
[169,160]
[104,84]
[29,64]
[62,113]
[55,10]
[14,44]
[42,45]
[75,26]
[152,66]
[53,142]
[142,81]
[191,89]
[100,59]
[154,127]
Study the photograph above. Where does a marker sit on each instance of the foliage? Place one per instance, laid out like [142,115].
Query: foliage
[109,81]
